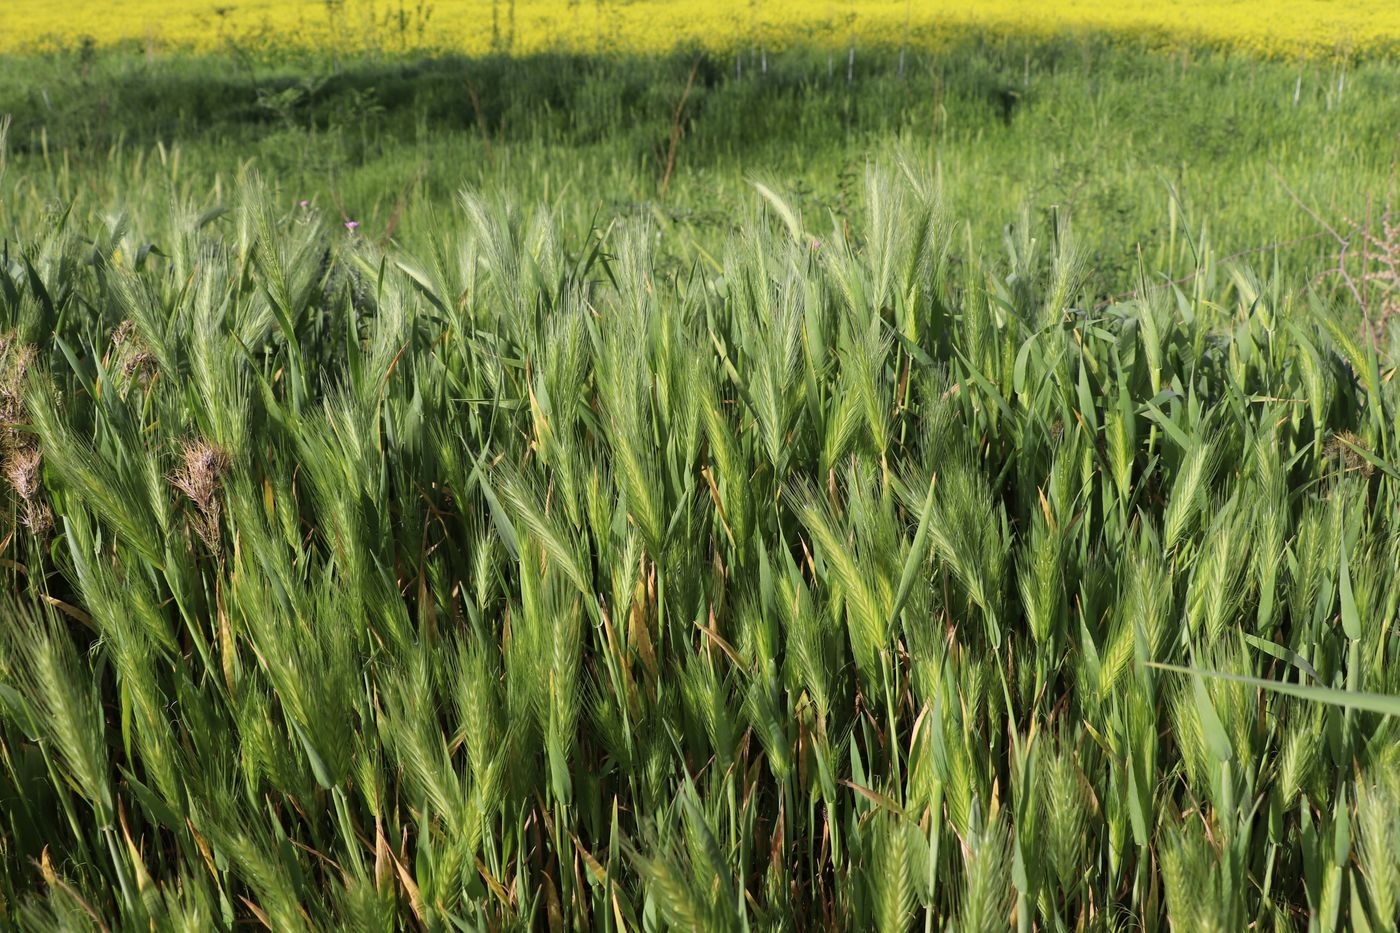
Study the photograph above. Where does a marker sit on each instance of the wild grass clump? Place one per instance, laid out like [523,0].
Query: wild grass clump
[826,583]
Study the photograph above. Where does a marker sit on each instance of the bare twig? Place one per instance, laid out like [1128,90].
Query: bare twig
[1380,259]
[676,126]
[480,114]
[396,214]
[1366,257]
[1301,203]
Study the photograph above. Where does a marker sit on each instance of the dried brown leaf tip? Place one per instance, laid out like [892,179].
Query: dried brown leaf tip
[199,476]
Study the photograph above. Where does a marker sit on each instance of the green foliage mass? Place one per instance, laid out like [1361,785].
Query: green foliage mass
[833,569]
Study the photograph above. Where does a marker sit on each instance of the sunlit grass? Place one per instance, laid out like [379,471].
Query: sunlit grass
[527,581]
[963,496]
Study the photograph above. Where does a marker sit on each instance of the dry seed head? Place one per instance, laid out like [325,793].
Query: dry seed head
[140,364]
[1344,445]
[22,470]
[37,517]
[17,365]
[135,361]
[15,362]
[198,478]
[12,378]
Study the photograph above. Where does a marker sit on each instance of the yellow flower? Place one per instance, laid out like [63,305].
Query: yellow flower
[1265,27]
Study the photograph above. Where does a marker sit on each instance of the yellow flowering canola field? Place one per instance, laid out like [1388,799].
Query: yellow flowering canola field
[1266,27]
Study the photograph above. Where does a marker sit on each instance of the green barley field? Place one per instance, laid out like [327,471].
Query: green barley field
[943,491]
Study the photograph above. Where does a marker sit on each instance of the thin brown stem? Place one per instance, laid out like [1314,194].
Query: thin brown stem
[676,126]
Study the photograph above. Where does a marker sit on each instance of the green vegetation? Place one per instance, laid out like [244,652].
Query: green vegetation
[791,555]
[1134,145]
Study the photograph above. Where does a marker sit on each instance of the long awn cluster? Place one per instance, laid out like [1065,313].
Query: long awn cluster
[537,582]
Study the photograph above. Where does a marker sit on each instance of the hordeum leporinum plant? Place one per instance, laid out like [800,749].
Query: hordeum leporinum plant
[854,576]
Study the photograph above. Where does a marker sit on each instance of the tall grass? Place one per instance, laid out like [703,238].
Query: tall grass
[526,581]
